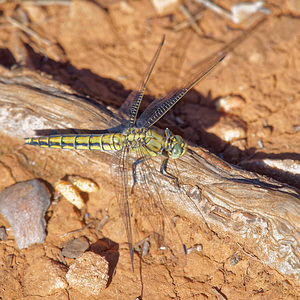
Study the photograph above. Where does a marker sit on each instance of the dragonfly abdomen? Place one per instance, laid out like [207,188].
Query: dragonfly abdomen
[102,142]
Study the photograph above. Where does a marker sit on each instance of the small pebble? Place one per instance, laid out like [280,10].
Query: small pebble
[195,248]
[24,205]
[142,248]
[84,184]
[241,11]
[229,129]
[235,258]
[3,233]
[70,193]
[229,103]
[164,6]
[88,274]
[75,247]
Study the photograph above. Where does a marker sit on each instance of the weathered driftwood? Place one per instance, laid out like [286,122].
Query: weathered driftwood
[261,215]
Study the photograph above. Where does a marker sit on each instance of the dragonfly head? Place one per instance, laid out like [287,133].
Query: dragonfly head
[175,146]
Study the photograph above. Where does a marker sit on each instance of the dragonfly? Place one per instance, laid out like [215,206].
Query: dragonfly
[136,136]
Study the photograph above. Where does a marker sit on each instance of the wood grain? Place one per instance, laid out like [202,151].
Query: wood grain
[261,215]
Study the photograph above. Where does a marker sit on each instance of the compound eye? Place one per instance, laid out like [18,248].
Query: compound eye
[178,139]
[176,152]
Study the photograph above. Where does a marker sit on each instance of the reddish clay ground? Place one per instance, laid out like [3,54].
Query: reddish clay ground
[101,49]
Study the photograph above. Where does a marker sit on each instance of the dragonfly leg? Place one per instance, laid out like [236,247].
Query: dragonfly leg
[134,166]
[163,170]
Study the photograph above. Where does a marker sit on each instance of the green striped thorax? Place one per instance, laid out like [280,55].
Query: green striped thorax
[149,142]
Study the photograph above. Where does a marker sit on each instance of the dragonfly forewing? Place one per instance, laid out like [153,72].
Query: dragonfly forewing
[161,106]
[131,105]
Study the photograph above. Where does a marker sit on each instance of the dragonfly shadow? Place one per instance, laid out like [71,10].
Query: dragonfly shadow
[196,105]
[83,81]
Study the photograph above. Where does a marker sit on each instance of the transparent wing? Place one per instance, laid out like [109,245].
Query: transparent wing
[143,211]
[120,174]
[131,105]
[152,216]
[161,106]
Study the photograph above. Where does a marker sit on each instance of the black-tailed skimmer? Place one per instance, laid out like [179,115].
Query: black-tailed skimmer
[136,137]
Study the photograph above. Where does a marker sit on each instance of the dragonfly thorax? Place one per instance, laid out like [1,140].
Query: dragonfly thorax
[146,142]
[149,142]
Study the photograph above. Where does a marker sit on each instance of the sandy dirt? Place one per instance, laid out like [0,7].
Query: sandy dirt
[101,49]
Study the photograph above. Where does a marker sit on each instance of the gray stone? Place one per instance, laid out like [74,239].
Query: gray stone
[24,205]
